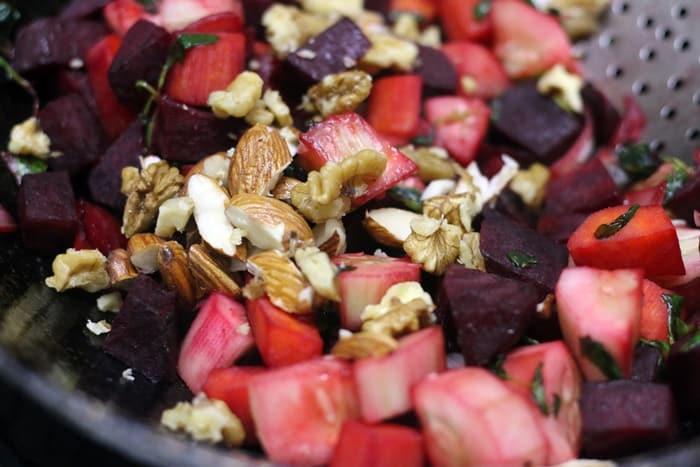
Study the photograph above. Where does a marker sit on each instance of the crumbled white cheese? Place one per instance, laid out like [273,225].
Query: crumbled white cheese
[349,8]
[243,329]
[27,139]
[98,328]
[109,302]
[76,64]
[128,375]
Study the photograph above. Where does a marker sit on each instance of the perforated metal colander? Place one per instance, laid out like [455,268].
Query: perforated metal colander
[650,49]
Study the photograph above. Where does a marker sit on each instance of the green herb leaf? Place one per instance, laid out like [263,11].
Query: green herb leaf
[482,9]
[692,342]
[637,160]
[557,404]
[9,17]
[520,259]
[537,391]
[676,179]
[23,165]
[677,328]
[608,230]
[663,346]
[497,367]
[598,355]
[424,140]
[409,197]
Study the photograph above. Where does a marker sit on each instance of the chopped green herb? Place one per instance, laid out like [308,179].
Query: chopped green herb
[608,230]
[409,197]
[31,165]
[663,346]
[638,160]
[521,260]
[598,355]
[482,9]
[692,342]
[529,341]
[537,391]
[677,328]
[676,179]
[424,140]
[497,367]
[556,406]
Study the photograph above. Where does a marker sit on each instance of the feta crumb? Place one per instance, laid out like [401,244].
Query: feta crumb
[349,62]
[76,64]
[27,139]
[109,302]
[148,160]
[243,329]
[128,375]
[349,8]
[306,54]
[381,253]
[98,328]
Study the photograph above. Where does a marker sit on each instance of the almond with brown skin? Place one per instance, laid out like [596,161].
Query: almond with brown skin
[208,274]
[390,226]
[174,269]
[143,251]
[330,237]
[363,345]
[119,268]
[284,283]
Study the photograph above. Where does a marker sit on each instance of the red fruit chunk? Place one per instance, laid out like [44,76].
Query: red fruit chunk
[561,383]
[460,123]
[299,410]
[176,14]
[382,445]
[206,69]
[366,281]
[605,307]
[220,22]
[425,9]
[527,41]
[114,116]
[648,241]
[579,152]
[394,106]
[99,228]
[281,339]
[460,23]
[121,15]
[7,223]
[633,124]
[471,417]
[231,386]
[340,136]
[651,196]
[654,322]
[477,63]
[218,336]
[47,213]
[384,383]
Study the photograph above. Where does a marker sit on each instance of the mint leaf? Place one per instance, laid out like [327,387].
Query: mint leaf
[598,355]
[520,259]
[637,160]
[557,404]
[692,342]
[663,346]
[497,367]
[537,391]
[677,328]
[409,197]
[424,140]
[676,179]
[608,230]
[482,9]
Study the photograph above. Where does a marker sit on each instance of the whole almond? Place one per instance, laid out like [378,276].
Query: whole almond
[119,268]
[389,226]
[261,156]
[330,237]
[284,283]
[174,269]
[208,274]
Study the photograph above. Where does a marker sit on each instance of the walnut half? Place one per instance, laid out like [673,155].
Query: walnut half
[82,269]
[433,243]
[340,92]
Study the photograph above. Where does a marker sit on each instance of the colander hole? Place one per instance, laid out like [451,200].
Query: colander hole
[606,40]
[679,11]
[674,83]
[614,72]
[640,88]
[657,145]
[647,54]
[621,7]
[645,22]
[667,113]
[692,134]
[663,33]
[696,98]
[682,44]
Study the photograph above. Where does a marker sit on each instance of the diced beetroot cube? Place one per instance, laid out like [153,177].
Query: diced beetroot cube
[606,118]
[382,445]
[75,82]
[646,363]
[206,69]
[100,228]
[579,152]
[561,383]
[340,136]
[683,369]
[231,386]
[176,14]
[460,125]
[506,243]
[647,241]
[280,338]
[144,333]
[559,227]
[624,417]
[384,383]
[105,178]
[602,308]
[115,117]
[366,281]
[218,336]
[485,324]
[588,188]
[299,410]
[74,131]
[79,9]
[7,223]
[477,63]
[471,417]
[654,322]
[47,211]
[394,106]
[438,73]
[336,49]
[685,201]
[141,56]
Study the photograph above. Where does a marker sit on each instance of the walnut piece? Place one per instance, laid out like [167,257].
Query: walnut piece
[579,18]
[402,319]
[458,210]
[388,51]
[319,271]
[239,97]
[564,87]
[82,269]
[287,27]
[146,192]
[344,7]
[205,420]
[470,253]
[340,92]
[433,162]
[531,184]
[274,103]
[363,345]
[27,139]
[396,295]
[433,243]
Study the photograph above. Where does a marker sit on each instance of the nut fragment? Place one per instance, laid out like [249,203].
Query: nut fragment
[83,269]
[402,319]
[173,216]
[119,268]
[319,270]
[565,88]
[284,283]
[239,97]
[340,92]
[27,139]
[143,251]
[389,226]
[579,18]
[273,101]
[287,27]
[205,420]
[330,237]
[398,294]
[531,184]
[433,162]
[344,7]
[145,192]
[109,302]
[208,274]
[458,210]
[388,51]
[470,253]
[363,345]
[215,167]
[261,157]
[283,190]
[174,269]
[260,115]
[433,243]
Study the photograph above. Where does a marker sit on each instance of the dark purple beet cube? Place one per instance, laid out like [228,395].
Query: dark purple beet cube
[380,6]
[144,333]
[683,369]
[105,180]
[73,81]
[535,122]
[687,199]
[47,213]
[336,49]
[559,227]
[489,314]
[78,9]
[606,118]
[75,132]
[623,417]
[645,365]
[141,56]
[54,42]
[185,134]
[438,73]
[514,250]
[588,188]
